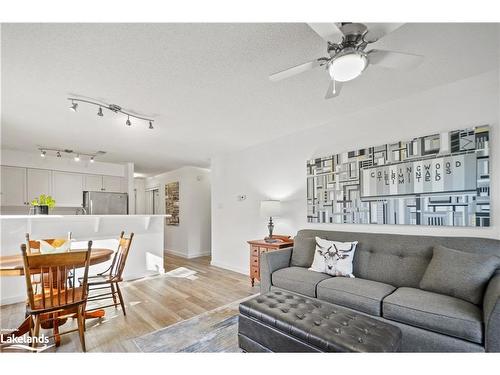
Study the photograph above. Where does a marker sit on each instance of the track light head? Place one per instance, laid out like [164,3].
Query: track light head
[43,153]
[92,159]
[151,125]
[73,106]
[128,123]
[77,157]
[99,113]
[58,154]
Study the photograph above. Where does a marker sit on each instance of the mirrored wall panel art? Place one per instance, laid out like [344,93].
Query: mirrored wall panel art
[440,179]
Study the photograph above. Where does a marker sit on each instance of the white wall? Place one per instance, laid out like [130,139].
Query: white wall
[140,195]
[277,169]
[192,237]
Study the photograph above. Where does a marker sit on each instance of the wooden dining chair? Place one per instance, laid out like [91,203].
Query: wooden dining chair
[51,299]
[111,278]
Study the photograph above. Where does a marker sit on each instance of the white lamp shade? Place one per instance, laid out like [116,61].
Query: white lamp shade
[270,208]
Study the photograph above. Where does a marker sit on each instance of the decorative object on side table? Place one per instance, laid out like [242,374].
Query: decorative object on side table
[270,209]
[41,205]
[258,247]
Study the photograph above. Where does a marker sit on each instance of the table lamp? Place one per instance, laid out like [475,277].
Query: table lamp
[270,209]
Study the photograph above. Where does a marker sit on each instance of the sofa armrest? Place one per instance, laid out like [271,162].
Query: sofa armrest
[491,311]
[270,262]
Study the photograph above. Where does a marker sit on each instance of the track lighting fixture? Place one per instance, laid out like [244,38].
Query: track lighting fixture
[76,154]
[113,108]
[73,106]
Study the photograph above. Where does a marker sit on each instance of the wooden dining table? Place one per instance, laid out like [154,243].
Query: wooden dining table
[12,265]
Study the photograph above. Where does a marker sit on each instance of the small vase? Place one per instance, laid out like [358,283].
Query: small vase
[41,210]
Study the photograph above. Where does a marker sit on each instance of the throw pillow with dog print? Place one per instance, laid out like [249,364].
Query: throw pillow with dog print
[334,258]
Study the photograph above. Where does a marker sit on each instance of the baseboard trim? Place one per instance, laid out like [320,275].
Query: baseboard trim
[189,256]
[13,299]
[229,267]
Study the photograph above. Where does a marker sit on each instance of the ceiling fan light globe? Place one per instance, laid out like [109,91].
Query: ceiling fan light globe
[347,66]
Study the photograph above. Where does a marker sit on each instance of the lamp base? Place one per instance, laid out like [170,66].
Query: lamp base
[271,240]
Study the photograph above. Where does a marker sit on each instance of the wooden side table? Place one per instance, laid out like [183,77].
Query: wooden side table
[258,247]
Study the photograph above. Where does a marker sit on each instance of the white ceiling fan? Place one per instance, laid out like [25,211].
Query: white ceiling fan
[346,44]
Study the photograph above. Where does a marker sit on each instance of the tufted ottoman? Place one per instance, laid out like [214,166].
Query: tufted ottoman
[280,321]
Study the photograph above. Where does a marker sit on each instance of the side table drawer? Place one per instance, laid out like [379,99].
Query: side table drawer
[254,251]
[254,271]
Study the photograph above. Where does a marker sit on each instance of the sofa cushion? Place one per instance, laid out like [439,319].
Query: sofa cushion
[303,251]
[298,279]
[358,294]
[459,274]
[435,312]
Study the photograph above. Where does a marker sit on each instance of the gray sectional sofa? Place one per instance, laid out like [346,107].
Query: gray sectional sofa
[388,272]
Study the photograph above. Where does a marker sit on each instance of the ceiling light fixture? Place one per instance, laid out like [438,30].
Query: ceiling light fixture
[76,154]
[347,65]
[113,108]
[73,106]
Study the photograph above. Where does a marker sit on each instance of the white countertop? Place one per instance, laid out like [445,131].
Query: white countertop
[44,217]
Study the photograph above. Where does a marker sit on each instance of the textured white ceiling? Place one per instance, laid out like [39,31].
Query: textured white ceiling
[205,84]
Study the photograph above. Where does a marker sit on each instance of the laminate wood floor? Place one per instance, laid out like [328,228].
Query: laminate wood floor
[151,304]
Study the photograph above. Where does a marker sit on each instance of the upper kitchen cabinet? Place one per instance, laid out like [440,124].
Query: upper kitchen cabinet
[13,186]
[92,183]
[67,189]
[112,184]
[109,184]
[38,183]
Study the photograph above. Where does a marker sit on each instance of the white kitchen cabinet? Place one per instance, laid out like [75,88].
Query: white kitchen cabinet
[112,184]
[37,183]
[92,183]
[124,185]
[13,187]
[67,189]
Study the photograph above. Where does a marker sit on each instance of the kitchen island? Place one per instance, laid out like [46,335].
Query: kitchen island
[145,257]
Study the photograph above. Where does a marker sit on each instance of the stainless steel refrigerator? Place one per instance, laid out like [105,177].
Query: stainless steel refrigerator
[102,203]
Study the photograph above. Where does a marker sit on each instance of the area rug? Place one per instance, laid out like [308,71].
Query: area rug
[215,331]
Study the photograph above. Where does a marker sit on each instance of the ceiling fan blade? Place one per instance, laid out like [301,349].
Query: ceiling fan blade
[294,70]
[328,31]
[329,93]
[394,60]
[379,30]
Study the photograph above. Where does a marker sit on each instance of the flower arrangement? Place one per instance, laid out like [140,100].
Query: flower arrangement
[43,200]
